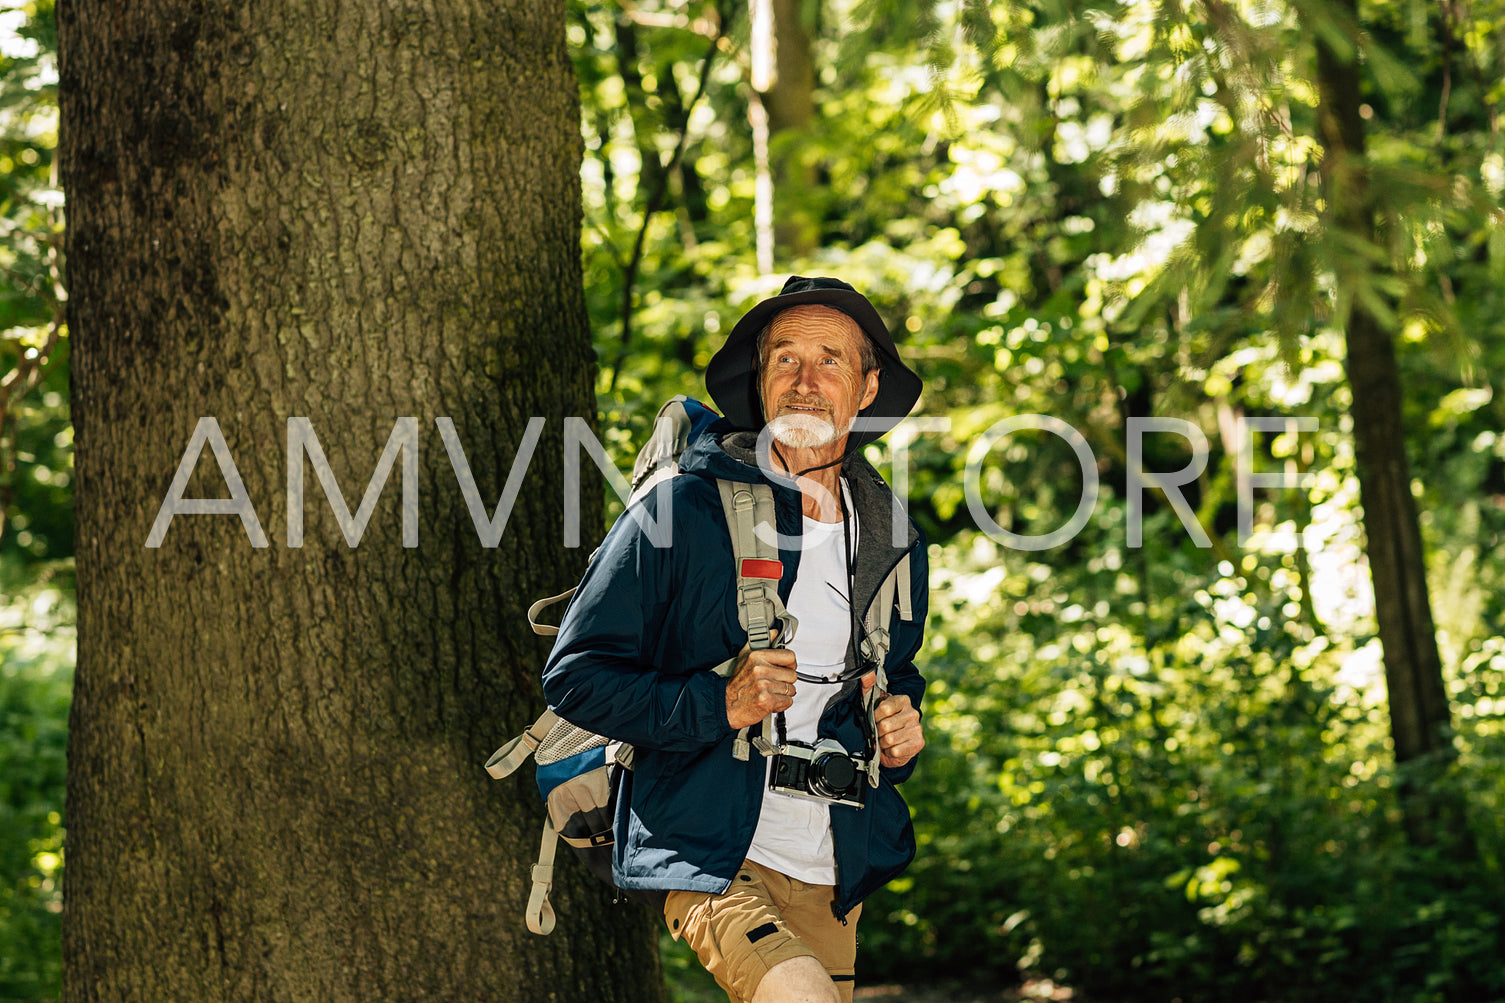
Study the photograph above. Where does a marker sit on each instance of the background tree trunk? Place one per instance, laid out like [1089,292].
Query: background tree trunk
[351,212]
[791,110]
[1420,721]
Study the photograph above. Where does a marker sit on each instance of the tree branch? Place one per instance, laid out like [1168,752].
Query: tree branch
[660,191]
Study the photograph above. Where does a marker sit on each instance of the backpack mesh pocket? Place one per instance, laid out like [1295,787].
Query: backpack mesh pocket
[565,740]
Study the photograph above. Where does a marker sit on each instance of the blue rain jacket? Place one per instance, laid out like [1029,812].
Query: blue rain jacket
[633,662]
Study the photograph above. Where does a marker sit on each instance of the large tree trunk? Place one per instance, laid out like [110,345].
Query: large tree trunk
[1420,721]
[352,212]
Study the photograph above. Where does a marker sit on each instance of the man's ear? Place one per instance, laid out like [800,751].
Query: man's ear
[871,392]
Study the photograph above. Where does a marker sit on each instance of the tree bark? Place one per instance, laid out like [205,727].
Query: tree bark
[790,104]
[1420,720]
[353,213]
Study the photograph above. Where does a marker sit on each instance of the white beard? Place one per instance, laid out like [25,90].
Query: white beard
[802,431]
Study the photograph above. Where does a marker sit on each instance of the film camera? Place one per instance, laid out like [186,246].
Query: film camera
[820,772]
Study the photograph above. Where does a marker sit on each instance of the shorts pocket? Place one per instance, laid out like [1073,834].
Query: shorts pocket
[677,906]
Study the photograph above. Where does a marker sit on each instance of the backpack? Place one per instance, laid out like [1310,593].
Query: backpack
[577,770]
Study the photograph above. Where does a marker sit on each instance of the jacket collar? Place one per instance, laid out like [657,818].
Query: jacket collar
[732,455]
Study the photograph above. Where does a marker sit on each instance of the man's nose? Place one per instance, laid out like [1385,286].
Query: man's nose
[804,377]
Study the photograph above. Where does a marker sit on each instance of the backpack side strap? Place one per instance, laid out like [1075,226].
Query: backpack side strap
[505,761]
[544,629]
[540,914]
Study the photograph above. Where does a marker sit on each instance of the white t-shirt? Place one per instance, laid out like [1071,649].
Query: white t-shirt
[794,834]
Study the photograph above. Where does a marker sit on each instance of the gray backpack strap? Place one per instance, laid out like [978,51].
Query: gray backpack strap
[759,568]
[505,761]
[895,588]
[540,915]
[876,620]
[759,608]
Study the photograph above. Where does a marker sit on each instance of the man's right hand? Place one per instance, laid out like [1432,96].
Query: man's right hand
[761,683]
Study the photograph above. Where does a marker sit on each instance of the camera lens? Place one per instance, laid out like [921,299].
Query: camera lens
[833,774]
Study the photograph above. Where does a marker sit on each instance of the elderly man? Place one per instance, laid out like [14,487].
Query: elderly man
[765,870]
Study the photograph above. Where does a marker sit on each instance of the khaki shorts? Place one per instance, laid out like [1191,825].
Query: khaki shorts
[764,918]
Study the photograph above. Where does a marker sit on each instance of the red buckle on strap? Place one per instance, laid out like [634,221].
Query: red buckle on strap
[753,567]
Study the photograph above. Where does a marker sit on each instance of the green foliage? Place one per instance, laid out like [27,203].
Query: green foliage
[36,520]
[1154,770]
[1186,805]
[36,676]
[35,438]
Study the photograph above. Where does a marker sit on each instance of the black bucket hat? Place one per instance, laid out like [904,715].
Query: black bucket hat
[732,376]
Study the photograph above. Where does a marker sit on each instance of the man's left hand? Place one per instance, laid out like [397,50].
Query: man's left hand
[900,737]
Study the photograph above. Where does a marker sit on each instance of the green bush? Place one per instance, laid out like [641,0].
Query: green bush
[1197,811]
[36,676]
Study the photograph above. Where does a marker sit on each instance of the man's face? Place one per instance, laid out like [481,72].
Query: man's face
[812,384]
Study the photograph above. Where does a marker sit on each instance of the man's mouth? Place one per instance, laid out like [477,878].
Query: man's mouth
[805,408]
